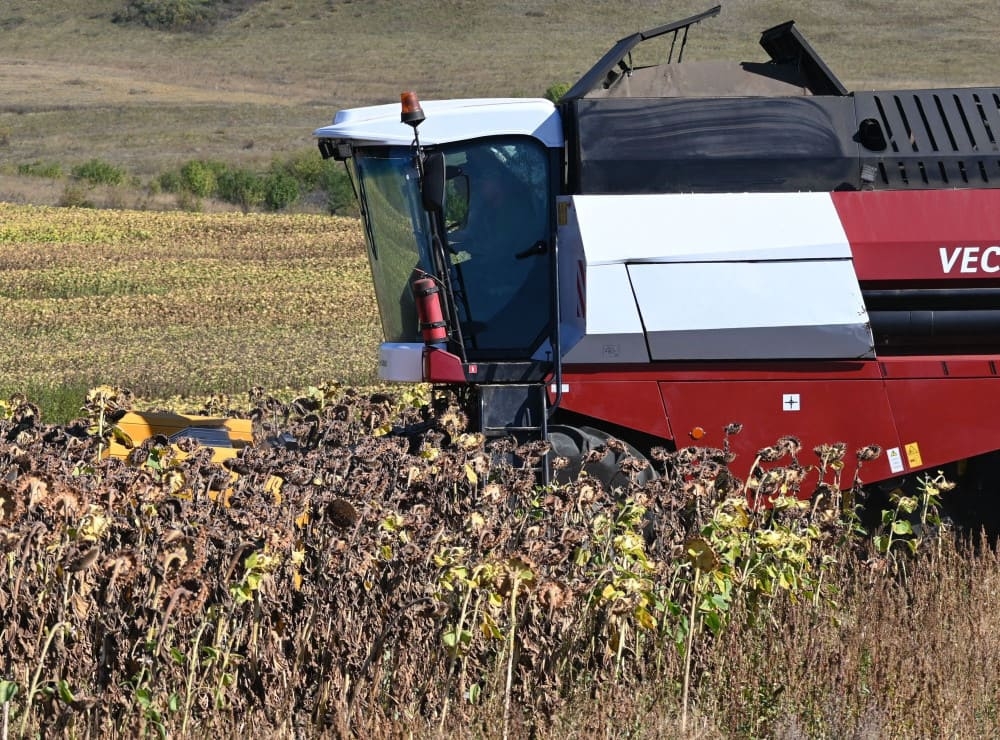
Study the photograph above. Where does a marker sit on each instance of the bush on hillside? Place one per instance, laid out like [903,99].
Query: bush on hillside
[285,182]
[98,172]
[179,15]
[40,169]
[280,190]
[198,178]
[75,196]
[166,14]
[556,91]
[307,167]
[243,187]
[169,182]
[340,200]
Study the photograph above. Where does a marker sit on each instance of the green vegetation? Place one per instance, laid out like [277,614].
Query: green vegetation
[168,14]
[178,15]
[300,181]
[556,91]
[97,172]
[198,178]
[40,169]
[62,402]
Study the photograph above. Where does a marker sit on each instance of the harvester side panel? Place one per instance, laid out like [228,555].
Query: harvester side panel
[667,278]
[818,402]
[929,266]
[816,409]
[945,409]
[618,397]
[614,330]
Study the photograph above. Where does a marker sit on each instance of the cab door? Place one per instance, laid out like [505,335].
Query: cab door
[497,218]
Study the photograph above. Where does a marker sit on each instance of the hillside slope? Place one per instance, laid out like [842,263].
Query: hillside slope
[75,85]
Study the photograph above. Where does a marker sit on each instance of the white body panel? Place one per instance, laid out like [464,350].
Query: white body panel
[809,309]
[401,362]
[709,277]
[705,226]
[613,326]
[449,120]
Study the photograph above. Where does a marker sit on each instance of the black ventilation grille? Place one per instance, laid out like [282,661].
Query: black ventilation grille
[934,138]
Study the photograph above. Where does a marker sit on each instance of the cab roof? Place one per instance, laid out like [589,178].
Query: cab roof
[447,121]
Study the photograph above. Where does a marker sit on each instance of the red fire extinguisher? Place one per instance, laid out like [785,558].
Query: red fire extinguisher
[427,295]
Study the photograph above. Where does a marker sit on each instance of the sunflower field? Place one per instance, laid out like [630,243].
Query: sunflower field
[371,567]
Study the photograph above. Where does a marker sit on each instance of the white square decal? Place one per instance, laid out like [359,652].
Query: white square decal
[895,460]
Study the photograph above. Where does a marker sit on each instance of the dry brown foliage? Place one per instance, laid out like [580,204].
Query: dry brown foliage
[371,569]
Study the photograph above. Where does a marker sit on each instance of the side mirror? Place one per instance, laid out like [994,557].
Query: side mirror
[432,187]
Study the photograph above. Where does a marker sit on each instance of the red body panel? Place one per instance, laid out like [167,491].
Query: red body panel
[442,367]
[923,412]
[818,402]
[817,411]
[922,234]
[945,408]
[619,398]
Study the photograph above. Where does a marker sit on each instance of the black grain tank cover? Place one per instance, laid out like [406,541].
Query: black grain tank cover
[663,145]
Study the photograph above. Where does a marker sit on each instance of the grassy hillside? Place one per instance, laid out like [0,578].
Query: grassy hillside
[74,85]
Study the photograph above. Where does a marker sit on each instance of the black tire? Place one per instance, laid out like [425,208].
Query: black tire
[574,443]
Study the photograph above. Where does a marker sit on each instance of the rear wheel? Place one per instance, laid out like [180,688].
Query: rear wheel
[583,446]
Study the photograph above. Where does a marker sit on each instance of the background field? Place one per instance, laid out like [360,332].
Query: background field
[159,304]
[180,304]
[74,85]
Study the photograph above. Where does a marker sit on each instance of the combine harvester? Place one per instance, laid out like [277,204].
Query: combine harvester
[672,248]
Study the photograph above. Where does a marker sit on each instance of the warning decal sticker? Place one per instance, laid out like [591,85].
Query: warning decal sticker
[895,460]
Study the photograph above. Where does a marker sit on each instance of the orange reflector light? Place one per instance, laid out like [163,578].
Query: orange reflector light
[696,433]
[412,113]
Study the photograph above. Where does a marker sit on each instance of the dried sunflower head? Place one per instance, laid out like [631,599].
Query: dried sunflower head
[770,454]
[871,452]
[830,453]
[791,445]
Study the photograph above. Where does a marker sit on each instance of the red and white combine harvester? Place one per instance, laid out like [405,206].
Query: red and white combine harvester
[672,248]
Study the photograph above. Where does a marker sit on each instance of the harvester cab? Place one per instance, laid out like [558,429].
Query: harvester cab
[676,247]
[461,235]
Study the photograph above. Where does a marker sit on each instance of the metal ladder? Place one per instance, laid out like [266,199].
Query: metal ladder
[515,409]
